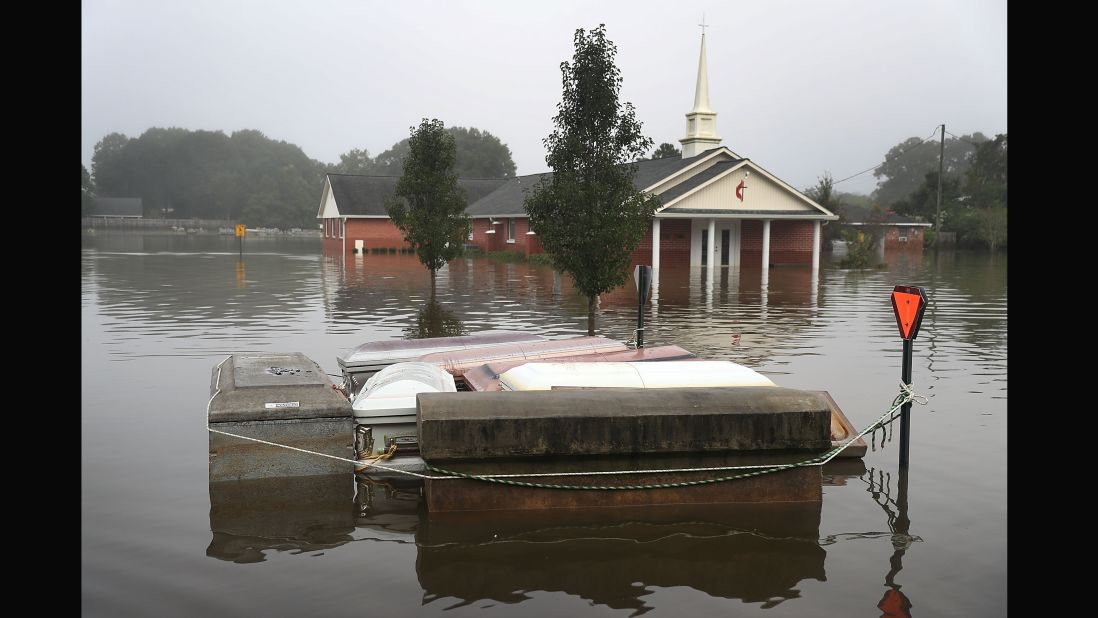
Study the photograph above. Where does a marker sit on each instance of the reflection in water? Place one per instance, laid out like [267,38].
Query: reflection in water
[158,312]
[434,321]
[757,553]
[241,276]
[298,514]
[614,557]
[894,602]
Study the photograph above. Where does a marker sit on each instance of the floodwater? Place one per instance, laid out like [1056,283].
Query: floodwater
[158,312]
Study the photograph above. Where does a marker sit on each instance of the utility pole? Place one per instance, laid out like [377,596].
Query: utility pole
[938,211]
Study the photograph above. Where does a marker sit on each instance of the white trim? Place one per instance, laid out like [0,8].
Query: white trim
[655,243]
[748,162]
[715,151]
[766,246]
[744,216]
[890,224]
[324,194]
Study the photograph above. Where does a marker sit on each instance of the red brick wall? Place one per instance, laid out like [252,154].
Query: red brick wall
[914,238]
[674,244]
[790,242]
[526,244]
[375,233]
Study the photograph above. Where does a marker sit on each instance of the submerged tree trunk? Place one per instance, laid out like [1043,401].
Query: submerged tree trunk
[592,302]
[434,276]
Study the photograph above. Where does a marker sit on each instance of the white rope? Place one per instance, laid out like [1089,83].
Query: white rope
[909,396]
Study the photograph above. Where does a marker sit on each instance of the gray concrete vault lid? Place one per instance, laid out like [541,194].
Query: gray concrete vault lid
[273,386]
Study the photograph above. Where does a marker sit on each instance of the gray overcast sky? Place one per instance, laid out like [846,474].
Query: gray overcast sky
[800,86]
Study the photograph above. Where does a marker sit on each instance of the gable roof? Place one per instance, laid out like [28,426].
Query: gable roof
[724,169]
[698,179]
[508,199]
[860,215]
[117,207]
[365,195]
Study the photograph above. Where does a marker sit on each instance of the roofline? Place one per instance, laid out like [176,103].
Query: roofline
[830,215]
[323,197]
[718,214]
[691,166]
[398,177]
[523,215]
[705,184]
[790,187]
[342,216]
[888,223]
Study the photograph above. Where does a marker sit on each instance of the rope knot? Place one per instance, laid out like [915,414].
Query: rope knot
[909,394]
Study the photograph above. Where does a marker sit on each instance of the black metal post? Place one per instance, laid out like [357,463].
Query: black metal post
[241,239]
[644,283]
[905,410]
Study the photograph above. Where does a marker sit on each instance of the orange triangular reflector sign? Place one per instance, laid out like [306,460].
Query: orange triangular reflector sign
[908,303]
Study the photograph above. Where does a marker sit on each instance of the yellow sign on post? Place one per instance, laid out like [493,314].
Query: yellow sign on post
[240,229]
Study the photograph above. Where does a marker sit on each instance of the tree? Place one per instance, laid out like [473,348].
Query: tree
[355,161]
[986,191]
[986,178]
[923,201]
[434,320]
[666,151]
[209,175]
[110,166]
[825,195]
[428,205]
[588,215]
[907,163]
[479,155]
[87,191]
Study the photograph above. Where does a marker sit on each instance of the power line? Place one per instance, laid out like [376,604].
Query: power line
[930,137]
[962,139]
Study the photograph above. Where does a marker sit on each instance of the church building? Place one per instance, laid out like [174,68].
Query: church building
[717,207]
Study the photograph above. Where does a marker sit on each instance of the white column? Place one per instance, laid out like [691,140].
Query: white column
[815,245]
[766,247]
[655,245]
[709,256]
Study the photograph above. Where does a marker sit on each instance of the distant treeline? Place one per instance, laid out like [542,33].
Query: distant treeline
[974,187]
[247,177]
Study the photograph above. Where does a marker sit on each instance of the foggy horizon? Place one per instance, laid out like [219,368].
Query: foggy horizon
[799,87]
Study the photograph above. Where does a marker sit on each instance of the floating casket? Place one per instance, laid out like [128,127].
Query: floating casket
[285,398]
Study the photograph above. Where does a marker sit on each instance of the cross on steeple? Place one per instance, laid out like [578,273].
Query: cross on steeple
[703,24]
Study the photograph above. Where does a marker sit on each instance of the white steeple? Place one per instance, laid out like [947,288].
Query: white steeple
[701,122]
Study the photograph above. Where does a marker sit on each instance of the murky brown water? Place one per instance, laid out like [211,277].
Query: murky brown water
[158,312]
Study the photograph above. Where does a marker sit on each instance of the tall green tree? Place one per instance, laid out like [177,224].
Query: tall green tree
[588,214]
[428,205]
[906,164]
[666,151]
